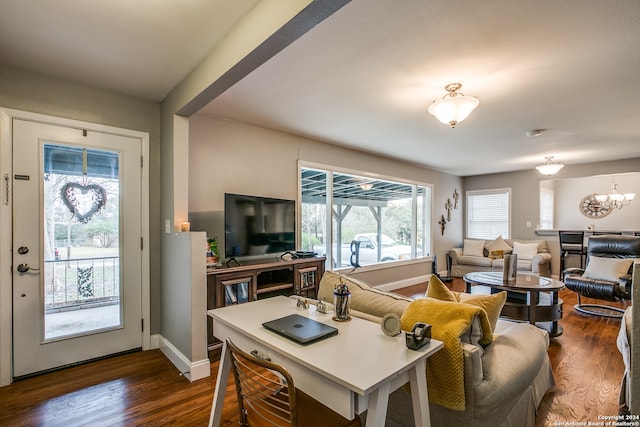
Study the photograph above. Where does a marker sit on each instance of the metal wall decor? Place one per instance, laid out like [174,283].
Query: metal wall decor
[448,206]
[83,200]
[443,223]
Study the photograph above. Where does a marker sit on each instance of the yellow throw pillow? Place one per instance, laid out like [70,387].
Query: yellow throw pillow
[438,290]
[491,304]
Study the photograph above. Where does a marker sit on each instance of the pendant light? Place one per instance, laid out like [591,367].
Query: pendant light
[454,107]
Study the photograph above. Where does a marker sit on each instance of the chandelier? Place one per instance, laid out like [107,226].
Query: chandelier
[454,107]
[549,167]
[615,199]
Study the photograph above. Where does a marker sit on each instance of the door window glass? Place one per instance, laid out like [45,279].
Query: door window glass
[81,241]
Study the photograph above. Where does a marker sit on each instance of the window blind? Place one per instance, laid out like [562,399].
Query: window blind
[546,208]
[488,214]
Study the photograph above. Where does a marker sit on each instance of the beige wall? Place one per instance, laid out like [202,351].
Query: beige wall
[233,157]
[569,192]
[33,92]
[525,200]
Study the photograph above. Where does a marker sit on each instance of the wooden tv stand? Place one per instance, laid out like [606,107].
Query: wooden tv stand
[253,280]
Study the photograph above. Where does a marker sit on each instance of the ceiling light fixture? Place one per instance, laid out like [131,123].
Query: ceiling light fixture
[535,132]
[549,167]
[615,199]
[366,186]
[454,107]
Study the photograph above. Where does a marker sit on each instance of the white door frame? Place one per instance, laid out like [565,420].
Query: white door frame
[6,208]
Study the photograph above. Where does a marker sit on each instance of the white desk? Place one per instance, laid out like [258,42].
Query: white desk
[350,372]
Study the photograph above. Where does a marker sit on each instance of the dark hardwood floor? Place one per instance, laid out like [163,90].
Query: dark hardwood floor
[145,389]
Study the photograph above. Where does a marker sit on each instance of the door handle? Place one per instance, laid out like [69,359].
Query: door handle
[23,268]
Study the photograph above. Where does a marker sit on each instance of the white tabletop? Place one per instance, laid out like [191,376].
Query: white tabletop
[360,357]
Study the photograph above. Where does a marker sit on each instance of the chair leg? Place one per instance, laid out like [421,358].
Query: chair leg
[600,309]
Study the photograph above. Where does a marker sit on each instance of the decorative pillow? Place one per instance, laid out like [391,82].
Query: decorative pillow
[491,304]
[499,245]
[525,250]
[607,268]
[473,247]
[438,290]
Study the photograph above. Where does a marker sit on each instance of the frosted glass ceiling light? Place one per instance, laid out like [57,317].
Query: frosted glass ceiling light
[454,107]
[549,167]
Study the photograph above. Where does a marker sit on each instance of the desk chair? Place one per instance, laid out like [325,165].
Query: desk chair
[571,243]
[610,279]
[604,233]
[267,396]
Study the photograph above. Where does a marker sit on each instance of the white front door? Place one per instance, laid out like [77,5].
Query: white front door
[77,256]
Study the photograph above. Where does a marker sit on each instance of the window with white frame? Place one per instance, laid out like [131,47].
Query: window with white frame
[355,219]
[546,208]
[489,213]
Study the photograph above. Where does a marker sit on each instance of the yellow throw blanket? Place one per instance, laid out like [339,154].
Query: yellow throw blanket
[445,369]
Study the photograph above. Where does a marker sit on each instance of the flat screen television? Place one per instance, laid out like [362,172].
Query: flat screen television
[256,225]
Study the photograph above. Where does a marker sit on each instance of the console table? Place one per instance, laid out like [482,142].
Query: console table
[350,372]
[531,298]
[255,280]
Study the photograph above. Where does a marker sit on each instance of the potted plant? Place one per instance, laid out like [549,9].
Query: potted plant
[212,249]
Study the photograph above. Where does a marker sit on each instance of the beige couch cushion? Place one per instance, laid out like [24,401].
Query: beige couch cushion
[364,297]
[525,250]
[475,260]
[472,247]
[543,245]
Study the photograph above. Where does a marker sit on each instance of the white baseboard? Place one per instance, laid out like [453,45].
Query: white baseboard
[404,283]
[154,341]
[193,371]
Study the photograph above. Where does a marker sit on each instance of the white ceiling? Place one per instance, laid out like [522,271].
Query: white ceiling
[365,76]
[137,47]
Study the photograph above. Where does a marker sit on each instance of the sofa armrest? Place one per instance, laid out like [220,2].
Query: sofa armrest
[473,363]
[541,258]
[540,263]
[454,253]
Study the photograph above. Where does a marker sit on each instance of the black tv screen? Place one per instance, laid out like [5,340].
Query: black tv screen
[258,225]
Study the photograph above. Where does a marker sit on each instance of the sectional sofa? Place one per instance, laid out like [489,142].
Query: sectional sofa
[504,381]
[485,255]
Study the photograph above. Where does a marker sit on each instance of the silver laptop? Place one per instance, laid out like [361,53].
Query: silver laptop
[300,329]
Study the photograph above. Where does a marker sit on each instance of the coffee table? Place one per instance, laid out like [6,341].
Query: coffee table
[531,298]
[351,372]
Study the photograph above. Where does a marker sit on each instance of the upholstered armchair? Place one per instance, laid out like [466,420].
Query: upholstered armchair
[607,275]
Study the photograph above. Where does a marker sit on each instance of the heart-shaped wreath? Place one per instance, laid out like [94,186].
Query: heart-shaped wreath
[83,201]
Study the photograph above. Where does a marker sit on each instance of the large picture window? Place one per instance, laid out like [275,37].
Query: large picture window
[358,220]
[489,213]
